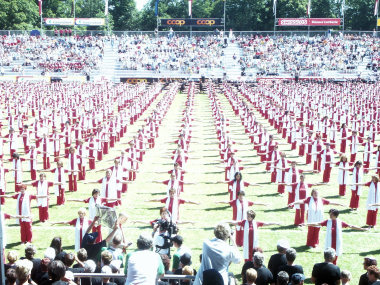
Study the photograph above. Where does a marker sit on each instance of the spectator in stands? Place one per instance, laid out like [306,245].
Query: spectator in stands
[279,259]
[69,261]
[368,261]
[264,276]
[30,251]
[373,275]
[56,272]
[250,276]
[115,249]
[297,279]
[326,272]
[81,258]
[144,266]
[115,267]
[282,278]
[90,267]
[185,260]
[166,262]
[345,277]
[107,270]
[181,250]
[56,243]
[23,271]
[106,258]
[12,257]
[289,268]
[88,242]
[11,276]
[218,254]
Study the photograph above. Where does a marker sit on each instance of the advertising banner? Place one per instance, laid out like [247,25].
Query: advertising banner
[59,21]
[192,22]
[89,22]
[309,22]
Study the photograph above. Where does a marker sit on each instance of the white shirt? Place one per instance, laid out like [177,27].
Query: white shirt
[217,254]
[143,268]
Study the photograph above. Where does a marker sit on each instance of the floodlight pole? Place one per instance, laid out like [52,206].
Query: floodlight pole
[224,24]
[2,256]
[74,15]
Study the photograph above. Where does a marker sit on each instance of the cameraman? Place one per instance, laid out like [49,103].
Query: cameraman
[218,254]
[162,236]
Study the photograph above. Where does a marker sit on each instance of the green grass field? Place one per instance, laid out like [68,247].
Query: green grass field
[202,167]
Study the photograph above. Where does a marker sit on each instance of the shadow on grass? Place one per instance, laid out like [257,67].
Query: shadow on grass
[285,227]
[268,195]
[155,208]
[333,197]
[221,208]
[216,194]
[214,172]
[276,210]
[301,248]
[68,247]
[154,194]
[13,244]
[372,252]
[36,222]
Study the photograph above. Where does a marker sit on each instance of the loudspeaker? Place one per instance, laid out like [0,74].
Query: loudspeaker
[88,77]
[203,79]
[225,41]
[55,79]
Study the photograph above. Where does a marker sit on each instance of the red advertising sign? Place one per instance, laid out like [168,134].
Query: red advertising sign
[309,22]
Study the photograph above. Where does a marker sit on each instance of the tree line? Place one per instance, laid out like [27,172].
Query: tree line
[241,15]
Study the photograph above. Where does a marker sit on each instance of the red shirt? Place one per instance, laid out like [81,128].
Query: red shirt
[324,201]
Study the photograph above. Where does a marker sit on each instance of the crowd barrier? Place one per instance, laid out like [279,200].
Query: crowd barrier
[180,278]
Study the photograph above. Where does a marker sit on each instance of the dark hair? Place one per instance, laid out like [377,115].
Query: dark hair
[163,209]
[30,251]
[282,278]
[11,276]
[368,261]
[95,191]
[15,155]
[178,240]
[238,173]
[241,193]
[334,212]
[358,163]
[56,243]
[82,254]
[291,254]
[56,270]
[69,259]
[166,261]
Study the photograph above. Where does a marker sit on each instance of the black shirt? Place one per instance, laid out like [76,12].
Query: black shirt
[264,276]
[275,261]
[364,279]
[93,250]
[326,273]
[291,269]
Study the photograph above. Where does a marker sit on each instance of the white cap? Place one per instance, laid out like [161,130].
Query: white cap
[284,243]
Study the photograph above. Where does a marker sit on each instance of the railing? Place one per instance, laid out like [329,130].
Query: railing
[198,33]
[180,278]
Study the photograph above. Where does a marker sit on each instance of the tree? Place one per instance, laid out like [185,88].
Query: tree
[124,14]
[18,15]
[359,15]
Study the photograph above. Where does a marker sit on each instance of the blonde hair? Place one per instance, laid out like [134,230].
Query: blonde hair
[12,256]
[188,270]
[82,210]
[23,269]
[251,275]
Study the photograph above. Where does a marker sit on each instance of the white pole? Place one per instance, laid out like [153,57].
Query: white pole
[224,16]
[74,15]
[2,256]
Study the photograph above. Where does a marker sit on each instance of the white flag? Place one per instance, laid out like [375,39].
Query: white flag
[106,8]
[376,8]
[309,8]
[190,7]
[274,7]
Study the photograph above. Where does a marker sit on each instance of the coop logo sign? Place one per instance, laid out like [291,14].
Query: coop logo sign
[176,22]
[206,22]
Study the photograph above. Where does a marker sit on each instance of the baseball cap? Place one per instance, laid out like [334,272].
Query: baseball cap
[185,259]
[297,278]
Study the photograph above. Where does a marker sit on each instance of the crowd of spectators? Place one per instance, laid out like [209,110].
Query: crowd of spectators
[170,53]
[145,266]
[51,54]
[311,54]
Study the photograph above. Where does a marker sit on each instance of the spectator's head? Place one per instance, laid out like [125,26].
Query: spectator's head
[282,246]
[81,213]
[282,278]
[373,273]
[30,251]
[222,231]
[329,254]
[241,195]
[116,241]
[11,276]
[106,270]
[297,279]
[56,270]
[334,214]
[23,270]
[177,241]
[82,255]
[187,270]
[291,255]
[258,259]
[95,193]
[45,264]
[12,256]
[144,242]
[50,253]
[368,261]
[106,257]
[165,261]
[56,243]
[115,266]
[345,276]
[212,277]
[69,259]
[89,266]
[185,259]
[251,275]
